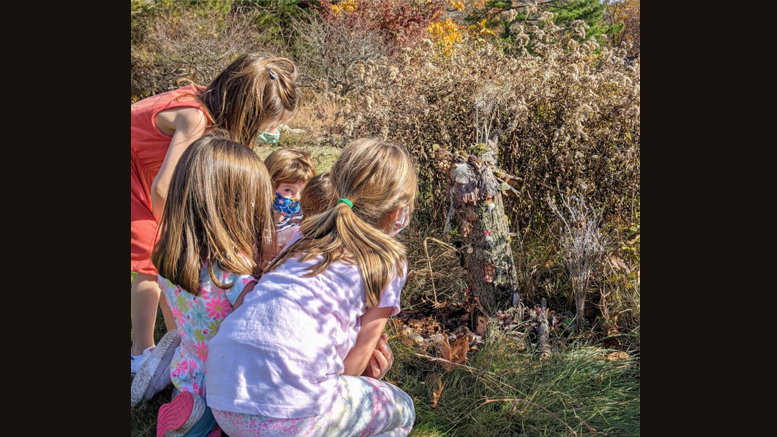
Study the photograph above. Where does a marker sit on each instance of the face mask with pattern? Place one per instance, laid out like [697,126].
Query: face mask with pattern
[285,207]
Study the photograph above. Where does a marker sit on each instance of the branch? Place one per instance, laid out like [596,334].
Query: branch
[429,261]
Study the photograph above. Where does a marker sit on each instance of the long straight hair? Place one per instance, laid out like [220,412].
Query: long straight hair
[219,210]
[377,177]
[253,92]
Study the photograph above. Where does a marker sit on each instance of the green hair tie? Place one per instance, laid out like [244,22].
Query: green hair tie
[346,201]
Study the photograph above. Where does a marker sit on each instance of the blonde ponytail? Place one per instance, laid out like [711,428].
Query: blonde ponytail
[377,178]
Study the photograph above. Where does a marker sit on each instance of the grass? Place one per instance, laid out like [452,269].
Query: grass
[576,389]
[501,390]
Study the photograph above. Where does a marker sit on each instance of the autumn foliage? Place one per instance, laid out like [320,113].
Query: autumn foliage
[626,12]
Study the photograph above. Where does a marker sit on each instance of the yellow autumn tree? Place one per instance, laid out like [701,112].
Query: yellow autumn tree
[625,12]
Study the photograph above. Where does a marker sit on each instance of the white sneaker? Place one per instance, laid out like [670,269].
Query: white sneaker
[154,375]
[136,362]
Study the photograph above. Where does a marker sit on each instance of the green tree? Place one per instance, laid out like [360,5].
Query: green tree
[506,14]
[275,18]
[590,11]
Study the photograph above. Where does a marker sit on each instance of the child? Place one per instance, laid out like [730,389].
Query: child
[318,196]
[288,361]
[249,99]
[290,170]
[215,221]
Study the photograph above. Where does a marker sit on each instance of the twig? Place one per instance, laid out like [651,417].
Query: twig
[543,329]
[590,428]
[429,261]
[504,182]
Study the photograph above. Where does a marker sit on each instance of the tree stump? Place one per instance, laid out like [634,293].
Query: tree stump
[477,210]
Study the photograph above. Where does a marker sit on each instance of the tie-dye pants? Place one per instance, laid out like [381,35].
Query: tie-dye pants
[368,408]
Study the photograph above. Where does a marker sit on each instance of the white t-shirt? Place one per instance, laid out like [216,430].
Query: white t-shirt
[281,353]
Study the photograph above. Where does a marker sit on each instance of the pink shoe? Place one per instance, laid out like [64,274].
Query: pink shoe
[178,417]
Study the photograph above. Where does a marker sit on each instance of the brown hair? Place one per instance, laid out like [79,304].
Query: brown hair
[254,91]
[218,209]
[290,166]
[377,177]
[318,196]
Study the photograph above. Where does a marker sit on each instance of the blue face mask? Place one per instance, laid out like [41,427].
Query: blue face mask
[270,138]
[285,207]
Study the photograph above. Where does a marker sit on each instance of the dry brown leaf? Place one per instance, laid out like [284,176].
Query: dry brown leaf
[619,264]
[617,356]
[445,348]
[459,350]
[437,392]
[456,353]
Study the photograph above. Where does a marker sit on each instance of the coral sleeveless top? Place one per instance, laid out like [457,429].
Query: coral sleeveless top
[148,147]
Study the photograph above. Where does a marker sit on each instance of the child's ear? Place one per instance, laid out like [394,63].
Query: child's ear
[394,215]
[389,218]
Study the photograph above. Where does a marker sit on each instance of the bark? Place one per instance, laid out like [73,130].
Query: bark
[478,213]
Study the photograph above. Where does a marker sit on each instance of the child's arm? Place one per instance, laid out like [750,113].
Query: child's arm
[187,126]
[381,361]
[239,301]
[373,322]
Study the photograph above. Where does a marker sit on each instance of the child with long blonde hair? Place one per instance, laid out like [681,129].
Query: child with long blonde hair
[289,361]
[215,224]
[250,99]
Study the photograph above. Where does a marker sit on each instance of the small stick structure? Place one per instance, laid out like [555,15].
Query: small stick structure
[478,213]
[544,330]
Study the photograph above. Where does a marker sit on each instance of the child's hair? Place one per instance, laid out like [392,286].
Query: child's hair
[318,196]
[251,93]
[290,166]
[218,209]
[377,177]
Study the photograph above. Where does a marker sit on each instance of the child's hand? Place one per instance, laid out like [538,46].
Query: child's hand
[381,361]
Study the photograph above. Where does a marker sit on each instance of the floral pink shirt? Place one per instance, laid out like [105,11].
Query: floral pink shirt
[198,319]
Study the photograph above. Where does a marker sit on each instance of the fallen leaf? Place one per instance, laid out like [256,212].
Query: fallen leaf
[619,264]
[617,356]
[445,349]
[437,392]
[459,350]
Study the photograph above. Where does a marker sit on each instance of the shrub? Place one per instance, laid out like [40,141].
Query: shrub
[566,118]
[400,23]
[175,40]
